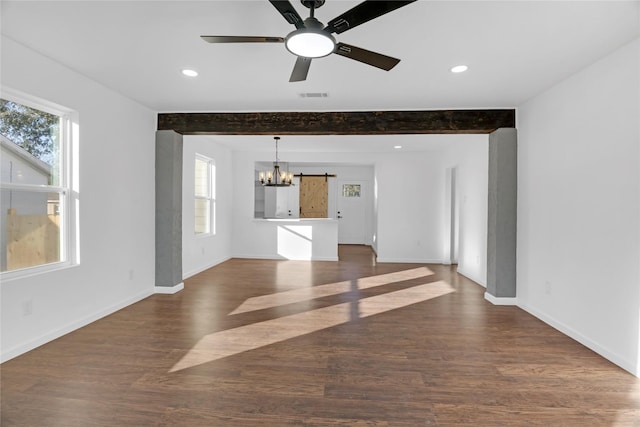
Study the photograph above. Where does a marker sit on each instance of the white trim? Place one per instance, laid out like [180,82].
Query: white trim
[27,272]
[625,364]
[410,260]
[281,258]
[500,300]
[32,101]
[210,197]
[295,220]
[36,188]
[76,324]
[470,277]
[68,223]
[168,290]
[373,248]
[199,270]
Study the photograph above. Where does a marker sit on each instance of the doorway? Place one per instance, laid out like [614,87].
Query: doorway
[451,232]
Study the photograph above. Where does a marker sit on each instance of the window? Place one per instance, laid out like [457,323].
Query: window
[351,190]
[205,195]
[34,147]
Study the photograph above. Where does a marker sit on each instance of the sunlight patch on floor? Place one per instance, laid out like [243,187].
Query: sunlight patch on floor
[312,292]
[250,337]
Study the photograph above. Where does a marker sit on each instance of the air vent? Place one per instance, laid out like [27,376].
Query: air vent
[314,95]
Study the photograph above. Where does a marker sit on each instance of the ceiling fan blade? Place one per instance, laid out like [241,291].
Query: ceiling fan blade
[288,12]
[365,11]
[241,39]
[301,69]
[372,58]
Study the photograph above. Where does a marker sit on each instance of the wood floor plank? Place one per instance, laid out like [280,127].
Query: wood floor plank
[348,343]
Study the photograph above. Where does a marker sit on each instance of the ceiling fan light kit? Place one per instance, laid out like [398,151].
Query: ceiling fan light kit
[311,39]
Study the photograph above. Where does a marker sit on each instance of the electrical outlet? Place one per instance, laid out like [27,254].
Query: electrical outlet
[202,250]
[27,308]
[131,273]
[547,287]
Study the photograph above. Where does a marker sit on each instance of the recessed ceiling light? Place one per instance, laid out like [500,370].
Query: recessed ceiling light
[459,69]
[397,147]
[189,73]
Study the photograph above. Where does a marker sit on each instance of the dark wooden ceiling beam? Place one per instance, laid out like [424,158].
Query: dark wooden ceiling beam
[339,123]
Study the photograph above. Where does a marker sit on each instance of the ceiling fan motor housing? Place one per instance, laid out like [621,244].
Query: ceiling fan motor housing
[315,3]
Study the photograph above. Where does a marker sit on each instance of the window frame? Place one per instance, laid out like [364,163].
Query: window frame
[209,197]
[67,178]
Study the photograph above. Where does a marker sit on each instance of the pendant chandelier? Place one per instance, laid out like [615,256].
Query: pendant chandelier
[276,177]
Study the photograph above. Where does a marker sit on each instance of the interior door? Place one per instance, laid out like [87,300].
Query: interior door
[294,199]
[314,197]
[352,212]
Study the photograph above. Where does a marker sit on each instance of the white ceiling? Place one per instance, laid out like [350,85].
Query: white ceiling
[514,50]
[345,143]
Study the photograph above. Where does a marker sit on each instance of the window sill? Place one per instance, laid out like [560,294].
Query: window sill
[23,273]
[204,235]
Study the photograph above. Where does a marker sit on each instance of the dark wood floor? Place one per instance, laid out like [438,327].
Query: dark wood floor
[349,343]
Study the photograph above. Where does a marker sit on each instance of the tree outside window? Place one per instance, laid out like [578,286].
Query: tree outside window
[32,184]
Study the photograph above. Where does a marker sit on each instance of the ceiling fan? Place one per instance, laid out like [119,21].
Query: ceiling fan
[311,39]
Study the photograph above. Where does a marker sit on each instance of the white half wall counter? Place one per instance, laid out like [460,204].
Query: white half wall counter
[314,239]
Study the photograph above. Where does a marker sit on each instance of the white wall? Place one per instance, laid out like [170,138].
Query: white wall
[254,238]
[116,204]
[408,214]
[579,206]
[202,252]
[351,172]
[251,238]
[410,207]
[471,163]
[341,172]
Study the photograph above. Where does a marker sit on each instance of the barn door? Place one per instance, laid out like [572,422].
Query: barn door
[314,196]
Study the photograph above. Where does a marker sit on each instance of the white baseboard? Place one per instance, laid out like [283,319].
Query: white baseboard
[170,290]
[201,269]
[409,260]
[252,256]
[500,300]
[77,324]
[570,332]
[470,277]
[280,258]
